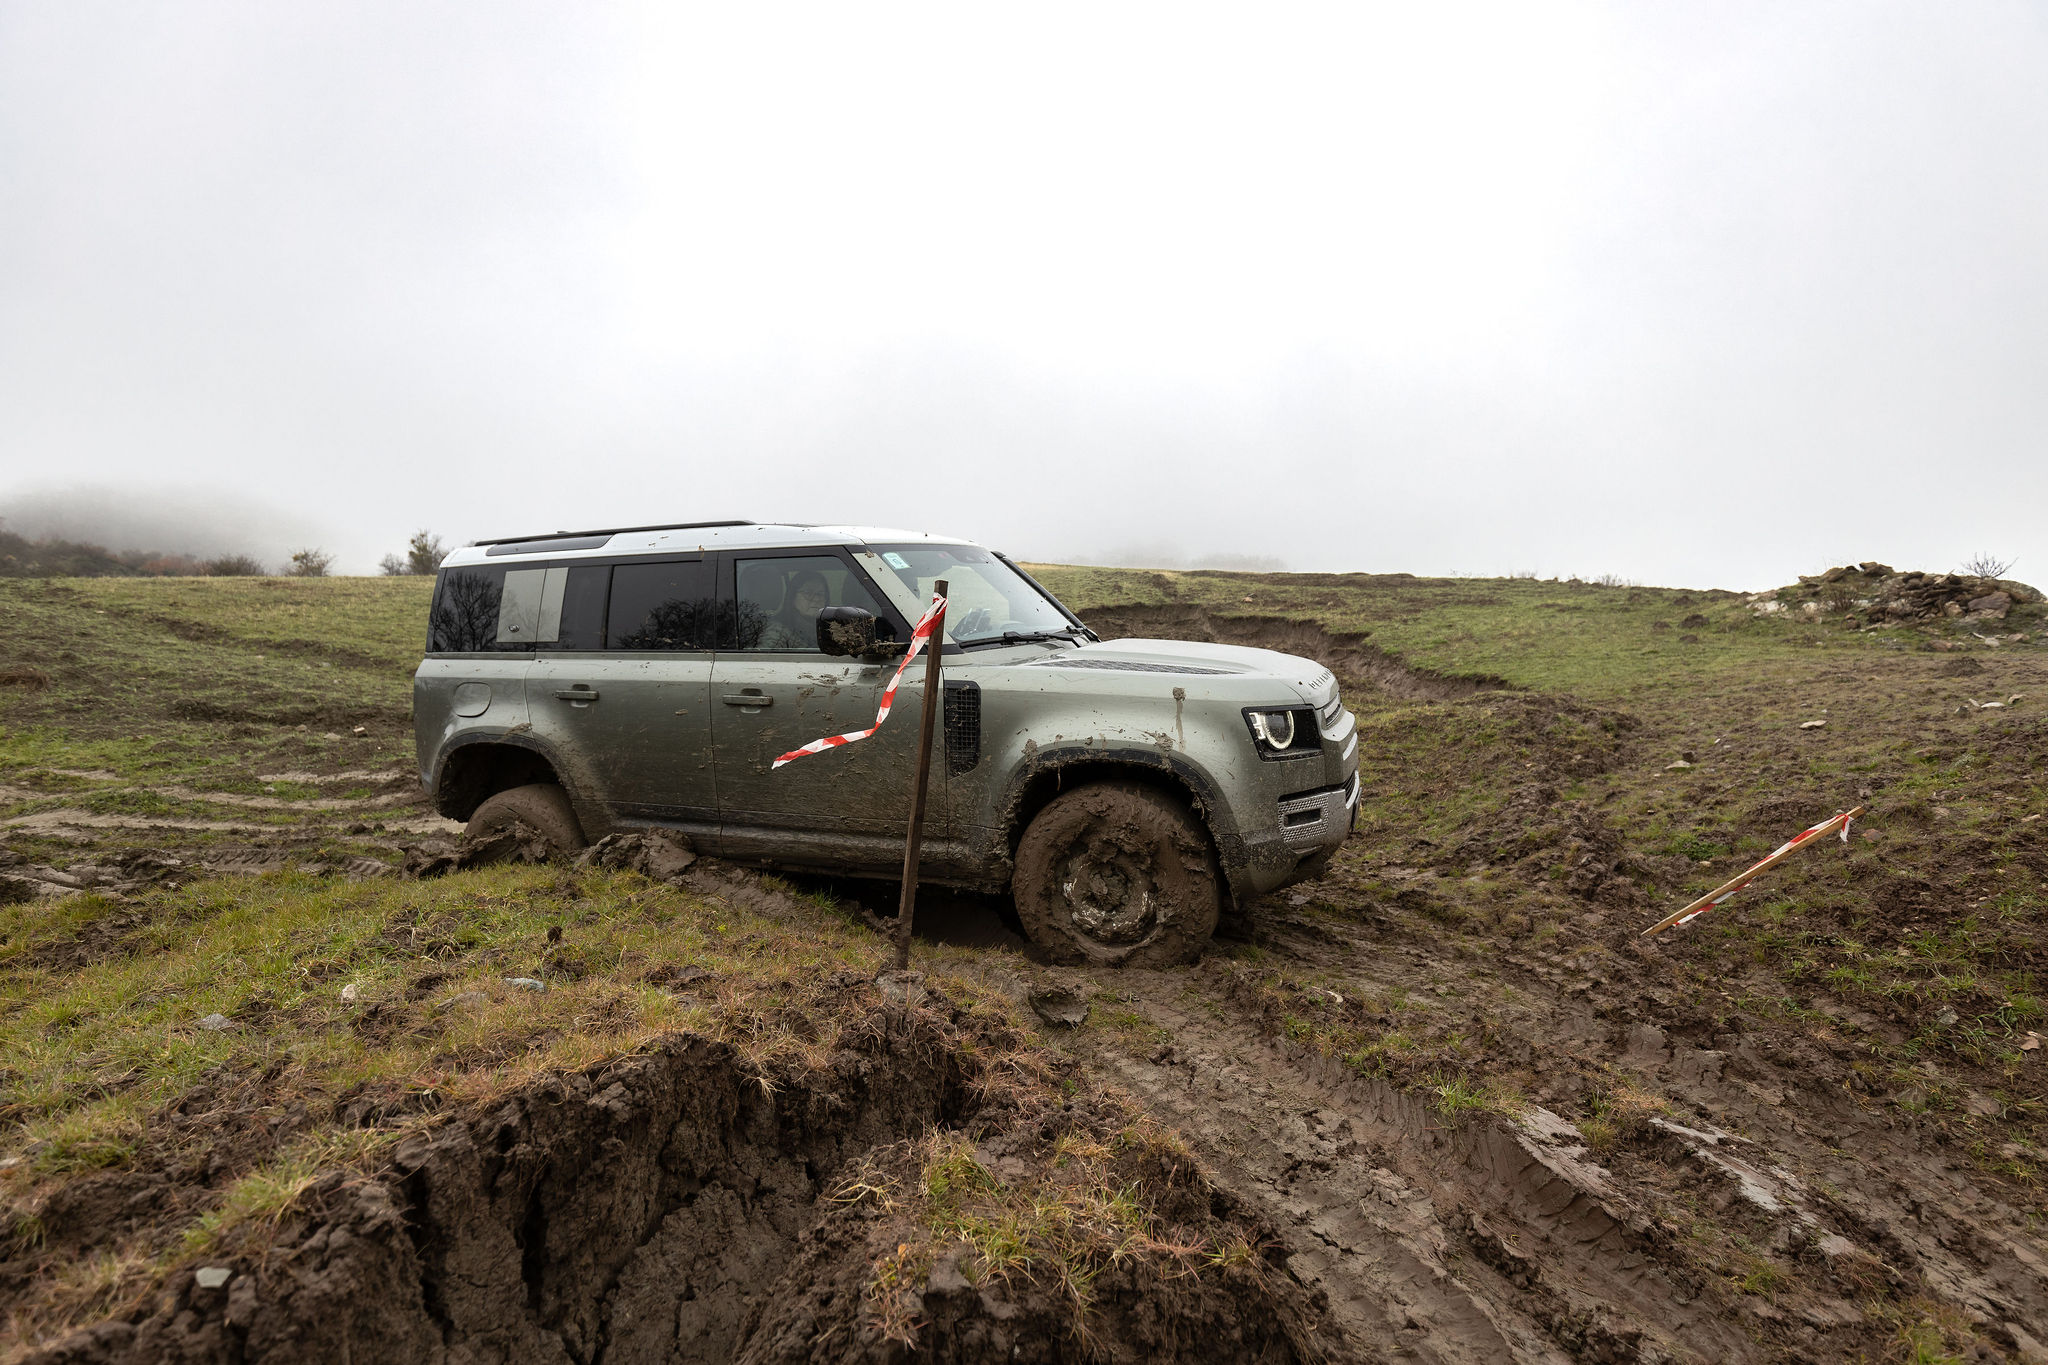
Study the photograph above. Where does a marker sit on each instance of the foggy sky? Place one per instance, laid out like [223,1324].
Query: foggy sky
[1706,295]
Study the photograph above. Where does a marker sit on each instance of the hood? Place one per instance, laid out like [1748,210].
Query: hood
[1189,659]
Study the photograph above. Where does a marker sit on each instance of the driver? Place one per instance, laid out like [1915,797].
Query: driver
[796,625]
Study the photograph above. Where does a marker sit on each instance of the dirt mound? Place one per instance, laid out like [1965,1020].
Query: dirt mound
[1351,657]
[659,854]
[1878,595]
[518,842]
[683,1205]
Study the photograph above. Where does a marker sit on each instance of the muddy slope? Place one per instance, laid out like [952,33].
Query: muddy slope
[673,1206]
[1436,1233]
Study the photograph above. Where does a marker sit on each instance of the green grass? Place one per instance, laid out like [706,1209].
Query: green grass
[208,681]
[1919,953]
[1086,1201]
[385,993]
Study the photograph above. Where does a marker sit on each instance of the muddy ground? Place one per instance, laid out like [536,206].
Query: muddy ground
[1464,1110]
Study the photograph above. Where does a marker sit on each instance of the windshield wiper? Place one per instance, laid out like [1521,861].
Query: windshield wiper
[1028,637]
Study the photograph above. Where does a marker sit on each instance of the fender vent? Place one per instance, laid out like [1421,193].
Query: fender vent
[1125,666]
[963,727]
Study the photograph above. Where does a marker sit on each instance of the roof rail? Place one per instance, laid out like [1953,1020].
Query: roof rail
[613,531]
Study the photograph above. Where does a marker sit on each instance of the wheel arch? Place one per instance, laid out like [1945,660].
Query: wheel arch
[1053,771]
[474,770]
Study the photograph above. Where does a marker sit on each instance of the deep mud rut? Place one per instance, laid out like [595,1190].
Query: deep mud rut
[1489,1236]
[685,1205]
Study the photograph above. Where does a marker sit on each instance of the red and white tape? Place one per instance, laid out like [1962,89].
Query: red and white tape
[1721,893]
[918,639]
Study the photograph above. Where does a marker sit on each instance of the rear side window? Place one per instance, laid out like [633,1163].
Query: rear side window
[666,606]
[467,605]
[581,624]
[485,610]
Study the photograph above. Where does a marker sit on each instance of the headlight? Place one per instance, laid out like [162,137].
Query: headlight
[1276,728]
[1283,733]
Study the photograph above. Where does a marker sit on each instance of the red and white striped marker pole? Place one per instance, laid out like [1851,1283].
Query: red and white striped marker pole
[1727,889]
[918,638]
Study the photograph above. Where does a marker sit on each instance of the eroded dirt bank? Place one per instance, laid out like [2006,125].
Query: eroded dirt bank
[681,1205]
[1350,655]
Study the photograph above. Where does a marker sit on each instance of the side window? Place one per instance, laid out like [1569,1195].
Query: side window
[661,606]
[532,596]
[777,601]
[581,623]
[466,611]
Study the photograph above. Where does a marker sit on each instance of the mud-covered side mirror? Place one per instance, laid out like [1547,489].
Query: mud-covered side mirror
[846,631]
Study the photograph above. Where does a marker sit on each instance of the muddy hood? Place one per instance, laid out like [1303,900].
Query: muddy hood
[1315,684]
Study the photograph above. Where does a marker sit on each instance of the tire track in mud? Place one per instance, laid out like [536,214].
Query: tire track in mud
[1367,1239]
[1496,1238]
[1487,1240]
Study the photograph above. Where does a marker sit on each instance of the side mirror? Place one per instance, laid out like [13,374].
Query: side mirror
[846,631]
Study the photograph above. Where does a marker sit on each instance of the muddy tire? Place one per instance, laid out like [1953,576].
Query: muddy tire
[1118,875]
[542,805]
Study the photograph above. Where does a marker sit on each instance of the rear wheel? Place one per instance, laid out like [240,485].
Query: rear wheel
[543,806]
[1117,874]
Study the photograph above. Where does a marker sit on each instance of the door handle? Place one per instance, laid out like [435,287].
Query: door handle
[576,693]
[747,699]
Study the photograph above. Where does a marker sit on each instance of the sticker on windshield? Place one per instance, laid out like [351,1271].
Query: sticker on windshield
[894,560]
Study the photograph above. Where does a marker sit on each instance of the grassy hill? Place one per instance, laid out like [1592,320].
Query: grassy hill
[1546,768]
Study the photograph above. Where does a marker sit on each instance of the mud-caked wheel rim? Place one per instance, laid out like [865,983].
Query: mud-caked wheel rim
[544,807]
[1117,874]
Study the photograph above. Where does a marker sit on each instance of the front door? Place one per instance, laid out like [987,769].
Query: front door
[623,688]
[772,690]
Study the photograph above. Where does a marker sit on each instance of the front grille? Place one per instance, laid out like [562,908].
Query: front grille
[1126,666]
[963,727]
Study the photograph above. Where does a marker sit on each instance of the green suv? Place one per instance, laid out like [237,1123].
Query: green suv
[1125,791]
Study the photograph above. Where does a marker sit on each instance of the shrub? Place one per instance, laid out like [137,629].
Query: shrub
[423,554]
[233,566]
[311,562]
[1987,566]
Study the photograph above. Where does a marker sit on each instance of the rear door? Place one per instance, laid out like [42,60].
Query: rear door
[473,681]
[622,685]
[773,690]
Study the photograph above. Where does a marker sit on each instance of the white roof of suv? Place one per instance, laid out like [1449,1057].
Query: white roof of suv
[653,540]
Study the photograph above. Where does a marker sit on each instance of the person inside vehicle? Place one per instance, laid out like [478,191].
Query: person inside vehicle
[796,625]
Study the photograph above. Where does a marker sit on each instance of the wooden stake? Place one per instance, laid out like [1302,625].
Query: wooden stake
[1729,888]
[934,699]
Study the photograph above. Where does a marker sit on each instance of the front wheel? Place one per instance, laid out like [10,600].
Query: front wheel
[1119,875]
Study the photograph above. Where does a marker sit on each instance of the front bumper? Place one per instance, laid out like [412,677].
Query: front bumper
[1293,838]
[1314,821]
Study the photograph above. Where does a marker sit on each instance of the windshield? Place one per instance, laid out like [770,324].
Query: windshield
[986,598]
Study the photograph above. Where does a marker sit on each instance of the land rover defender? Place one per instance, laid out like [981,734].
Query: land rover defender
[1124,791]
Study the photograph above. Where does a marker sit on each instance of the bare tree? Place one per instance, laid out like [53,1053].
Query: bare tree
[311,562]
[1987,566]
[393,566]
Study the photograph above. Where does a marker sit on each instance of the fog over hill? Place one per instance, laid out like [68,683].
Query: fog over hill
[186,521]
[1705,293]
